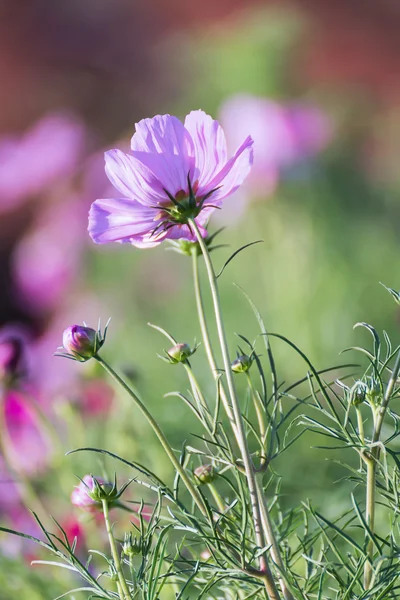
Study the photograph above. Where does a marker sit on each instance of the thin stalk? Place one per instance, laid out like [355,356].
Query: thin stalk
[123,586]
[163,440]
[241,437]
[217,497]
[360,425]
[271,541]
[259,408]
[379,416]
[198,395]
[206,338]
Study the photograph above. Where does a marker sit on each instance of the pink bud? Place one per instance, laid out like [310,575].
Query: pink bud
[81,494]
[81,342]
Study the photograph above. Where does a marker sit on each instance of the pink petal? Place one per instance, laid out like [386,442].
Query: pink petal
[209,142]
[232,175]
[119,220]
[166,136]
[133,179]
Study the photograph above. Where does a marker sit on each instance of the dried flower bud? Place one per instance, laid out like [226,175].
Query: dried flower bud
[132,545]
[358,393]
[180,353]
[242,364]
[204,474]
[80,342]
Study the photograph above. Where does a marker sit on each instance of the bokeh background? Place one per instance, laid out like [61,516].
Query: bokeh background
[317,84]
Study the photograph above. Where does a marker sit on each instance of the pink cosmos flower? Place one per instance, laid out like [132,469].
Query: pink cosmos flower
[173,173]
[284,135]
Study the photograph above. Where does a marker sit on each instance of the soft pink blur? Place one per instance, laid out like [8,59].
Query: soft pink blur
[30,163]
[26,446]
[285,135]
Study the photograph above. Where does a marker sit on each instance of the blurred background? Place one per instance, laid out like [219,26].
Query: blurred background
[317,85]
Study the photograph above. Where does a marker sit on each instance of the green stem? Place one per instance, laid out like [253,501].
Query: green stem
[123,586]
[271,541]
[218,500]
[238,420]
[360,425]
[198,395]
[163,440]
[206,339]
[260,418]
[371,468]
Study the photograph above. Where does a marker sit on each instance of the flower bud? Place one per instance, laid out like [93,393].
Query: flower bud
[204,474]
[374,391]
[82,495]
[242,364]
[132,545]
[358,393]
[180,353]
[81,343]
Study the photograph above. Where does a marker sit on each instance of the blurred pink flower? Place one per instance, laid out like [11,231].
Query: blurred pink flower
[27,449]
[175,171]
[14,342]
[96,398]
[20,519]
[284,136]
[30,163]
[47,259]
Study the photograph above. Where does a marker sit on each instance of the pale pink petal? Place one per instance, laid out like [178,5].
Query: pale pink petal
[117,220]
[178,232]
[166,136]
[232,175]
[209,142]
[133,178]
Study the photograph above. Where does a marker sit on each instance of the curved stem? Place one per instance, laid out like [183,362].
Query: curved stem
[123,586]
[238,420]
[163,440]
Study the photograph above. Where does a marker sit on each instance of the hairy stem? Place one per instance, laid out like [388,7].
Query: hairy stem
[237,415]
[371,468]
[163,440]
[123,586]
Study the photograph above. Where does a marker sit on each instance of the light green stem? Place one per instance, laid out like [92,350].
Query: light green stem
[360,425]
[260,418]
[371,468]
[218,500]
[206,339]
[163,440]
[271,541]
[123,586]
[241,437]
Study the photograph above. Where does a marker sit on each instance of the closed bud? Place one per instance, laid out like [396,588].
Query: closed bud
[242,364]
[204,474]
[374,391]
[358,393]
[132,545]
[180,353]
[81,343]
